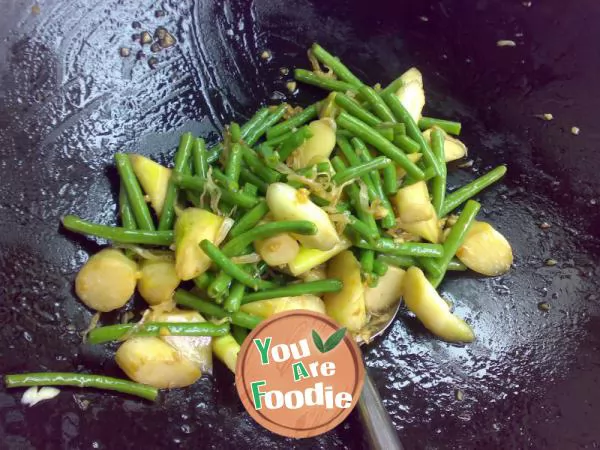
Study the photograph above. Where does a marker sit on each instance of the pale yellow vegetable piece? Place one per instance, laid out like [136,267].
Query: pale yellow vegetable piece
[314,274]
[413,157]
[150,360]
[195,348]
[429,230]
[411,93]
[387,292]
[309,258]
[346,307]
[413,204]
[431,309]
[277,250]
[226,349]
[158,280]
[107,280]
[154,179]
[193,226]
[318,147]
[485,250]
[453,148]
[287,203]
[266,308]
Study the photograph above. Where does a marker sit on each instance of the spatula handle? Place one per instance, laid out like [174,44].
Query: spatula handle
[379,429]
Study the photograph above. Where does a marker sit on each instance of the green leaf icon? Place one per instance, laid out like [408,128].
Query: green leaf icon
[318,341]
[331,342]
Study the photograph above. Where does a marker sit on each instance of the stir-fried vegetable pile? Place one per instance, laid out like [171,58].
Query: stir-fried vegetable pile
[339,208]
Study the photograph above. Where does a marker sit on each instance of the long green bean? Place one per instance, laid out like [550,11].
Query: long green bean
[321,81]
[437,269]
[134,193]
[367,258]
[255,121]
[461,195]
[362,169]
[294,122]
[447,125]
[295,140]
[109,333]
[235,132]
[250,219]
[386,245]
[127,218]
[334,63]
[198,184]
[80,380]
[406,144]
[199,158]
[234,300]
[380,268]
[236,246]
[401,261]
[182,156]
[362,228]
[218,289]
[117,234]
[377,104]
[354,160]
[247,176]
[239,334]
[239,318]
[203,280]
[294,290]
[234,163]
[393,87]
[354,108]
[257,132]
[368,134]
[413,132]
[258,167]
[438,183]
[231,269]
[390,180]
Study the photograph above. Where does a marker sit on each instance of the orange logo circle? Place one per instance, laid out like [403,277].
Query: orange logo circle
[298,374]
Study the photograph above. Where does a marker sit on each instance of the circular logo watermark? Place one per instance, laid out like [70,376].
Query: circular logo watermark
[298,374]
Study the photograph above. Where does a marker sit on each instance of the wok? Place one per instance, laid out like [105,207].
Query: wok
[69,102]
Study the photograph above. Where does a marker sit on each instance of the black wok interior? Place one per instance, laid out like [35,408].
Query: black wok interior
[69,102]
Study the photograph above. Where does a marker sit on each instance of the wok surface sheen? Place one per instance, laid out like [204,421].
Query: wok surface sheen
[69,102]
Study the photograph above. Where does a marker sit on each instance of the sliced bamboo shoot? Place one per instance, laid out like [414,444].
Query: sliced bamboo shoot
[485,250]
[453,148]
[387,292]
[154,179]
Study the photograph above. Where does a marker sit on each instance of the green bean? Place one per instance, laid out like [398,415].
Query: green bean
[437,269]
[429,175]
[219,288]
[367,258]
[386,245]
[239,318]
[372,280]
[199,158]
[316,169]
[239,334]
[223,180]
[354,108]
[234,300]
[378,106]
[294,290]
[127,218]
[255,121]
[109,333]
[250,189]
[293,142]
[234,163]
[447,125]
[250,219]
[438,183]
[203,280]
[257,132]
[406,144]
[134,193]
[380,268]
[235,132]
[321,81]
[401,261]
[277,140]
[393,87]
[362,228]
[387,133]
[390,180]
[456,265]
[182,156]
[230,268]
[247,176]
[294,122]
[236,246]
[336,65]
[270,158]
[198,184]
[81,380]
[117,234]
[371,136]
[461,195]
[413,132]
[362,169]
[399,128]
[354,160]
[258,167]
